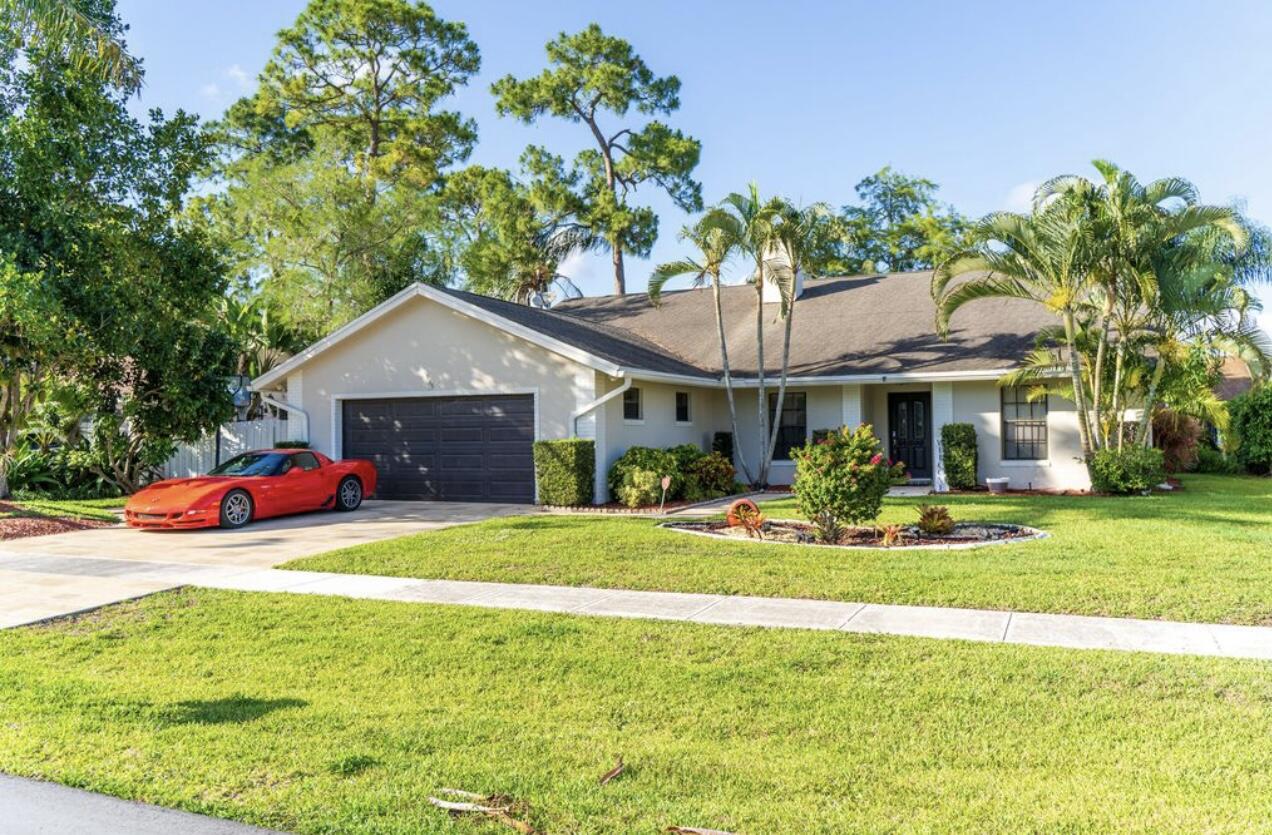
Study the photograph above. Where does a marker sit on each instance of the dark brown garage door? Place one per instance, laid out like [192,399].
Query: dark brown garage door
[462,449]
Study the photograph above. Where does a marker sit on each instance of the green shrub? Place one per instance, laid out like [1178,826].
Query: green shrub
[1214,462]
[935,519]
[640,488]
[1251,425]
[958,453]
[61,473]
[711,476]
[1132,469]
[565,471]
[660,461]
[842,479]
[292,445]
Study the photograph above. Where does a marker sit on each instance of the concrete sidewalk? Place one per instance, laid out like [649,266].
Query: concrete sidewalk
[1073,631]
[32,807]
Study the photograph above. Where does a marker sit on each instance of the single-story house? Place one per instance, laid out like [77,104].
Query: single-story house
[446,390]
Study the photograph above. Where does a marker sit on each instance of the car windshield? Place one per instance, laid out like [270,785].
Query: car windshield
[252,463]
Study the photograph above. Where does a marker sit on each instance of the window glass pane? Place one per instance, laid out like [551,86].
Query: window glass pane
[793,428]
[918,419]
[631,404]
[1024,425]
[682,406]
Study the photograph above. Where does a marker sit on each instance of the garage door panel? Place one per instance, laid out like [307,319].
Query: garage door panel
[473,448]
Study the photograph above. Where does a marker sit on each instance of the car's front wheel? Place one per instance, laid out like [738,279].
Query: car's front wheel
[236,509]
[349,494]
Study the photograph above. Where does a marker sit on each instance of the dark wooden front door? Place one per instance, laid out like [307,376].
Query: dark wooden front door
[910,432]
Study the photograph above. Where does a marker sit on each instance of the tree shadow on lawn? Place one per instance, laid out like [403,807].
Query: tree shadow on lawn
[231,709]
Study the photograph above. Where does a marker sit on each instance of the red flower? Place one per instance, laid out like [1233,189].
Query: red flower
[878,456]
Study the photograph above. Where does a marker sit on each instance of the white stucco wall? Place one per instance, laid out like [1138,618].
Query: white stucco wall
[979,403]
[424,348]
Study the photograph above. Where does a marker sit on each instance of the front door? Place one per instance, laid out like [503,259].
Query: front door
[909,432]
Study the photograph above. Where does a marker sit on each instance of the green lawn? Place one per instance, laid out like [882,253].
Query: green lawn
[1203,554]
[325,715]
[95,509]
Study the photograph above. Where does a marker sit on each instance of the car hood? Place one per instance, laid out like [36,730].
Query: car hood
[178,493]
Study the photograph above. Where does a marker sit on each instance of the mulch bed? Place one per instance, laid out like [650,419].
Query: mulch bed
[16,527]
[800,533]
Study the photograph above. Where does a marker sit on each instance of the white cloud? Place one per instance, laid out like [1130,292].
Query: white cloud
[239,76]
[591,272]
[1020,198]
[210,91]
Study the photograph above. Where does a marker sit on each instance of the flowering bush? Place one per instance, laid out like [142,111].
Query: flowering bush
[842,479]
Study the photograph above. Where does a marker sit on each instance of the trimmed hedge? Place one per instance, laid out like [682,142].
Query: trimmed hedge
[958,453]
[1132,469]
[565,471]
[1251,415]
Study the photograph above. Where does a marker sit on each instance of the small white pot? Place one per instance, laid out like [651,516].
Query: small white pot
[997,485]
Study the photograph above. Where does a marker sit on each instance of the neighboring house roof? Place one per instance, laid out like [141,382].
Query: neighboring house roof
[843,327]
[1234,379]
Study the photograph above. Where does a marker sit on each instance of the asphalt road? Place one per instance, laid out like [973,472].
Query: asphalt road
[30,807]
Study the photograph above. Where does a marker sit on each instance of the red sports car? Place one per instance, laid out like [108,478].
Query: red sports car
[254,485]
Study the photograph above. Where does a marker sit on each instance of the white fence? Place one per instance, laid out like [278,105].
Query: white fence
[240,436]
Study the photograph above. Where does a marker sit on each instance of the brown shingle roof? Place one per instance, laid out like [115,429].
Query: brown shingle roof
[879,324]
[1234,379]
[614,344]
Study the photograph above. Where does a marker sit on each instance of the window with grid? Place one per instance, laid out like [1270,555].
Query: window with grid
[1024,425]
[631,404]
[793,431]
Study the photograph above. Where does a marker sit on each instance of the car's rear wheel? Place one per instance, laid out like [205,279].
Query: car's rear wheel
[236,509]
[349,494]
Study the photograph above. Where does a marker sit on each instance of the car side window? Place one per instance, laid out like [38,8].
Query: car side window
[305,460]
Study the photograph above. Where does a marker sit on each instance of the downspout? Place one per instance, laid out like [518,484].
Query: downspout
[290,408]
[595,404]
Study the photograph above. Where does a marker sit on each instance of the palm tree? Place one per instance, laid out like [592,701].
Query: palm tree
[90,43]
[717,235]
[1128,224]
[1199,305]
[1044,258]
[756,221]
[803,243]
[536,272]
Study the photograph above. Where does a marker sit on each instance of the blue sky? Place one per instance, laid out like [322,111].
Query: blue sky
[986,98]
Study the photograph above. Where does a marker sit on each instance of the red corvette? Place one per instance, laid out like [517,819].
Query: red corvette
[254,485]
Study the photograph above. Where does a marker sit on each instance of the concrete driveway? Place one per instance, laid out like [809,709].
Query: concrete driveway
[46,576]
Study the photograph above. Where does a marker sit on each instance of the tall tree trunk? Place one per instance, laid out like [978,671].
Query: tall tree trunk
[1141,431]
[781,386]
[728,379]
[1079,388]
[761,397]
[1097,378]
[616,256]
[1118,361]
[4,474]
